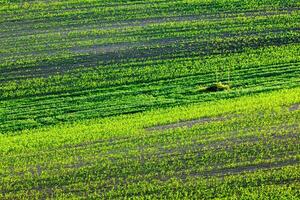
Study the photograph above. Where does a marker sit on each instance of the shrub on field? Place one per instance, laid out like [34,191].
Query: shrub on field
[217,87]
[214,87]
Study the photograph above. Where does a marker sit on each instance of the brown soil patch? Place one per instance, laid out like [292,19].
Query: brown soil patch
[294,107]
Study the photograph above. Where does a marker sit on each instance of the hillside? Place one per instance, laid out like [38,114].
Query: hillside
[112,99]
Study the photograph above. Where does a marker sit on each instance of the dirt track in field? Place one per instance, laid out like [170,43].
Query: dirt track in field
[187,124]
[191,123]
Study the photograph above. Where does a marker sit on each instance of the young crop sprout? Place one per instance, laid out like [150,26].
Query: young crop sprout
[228,75]
[216,74]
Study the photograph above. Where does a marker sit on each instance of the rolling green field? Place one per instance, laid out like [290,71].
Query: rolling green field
[109,100]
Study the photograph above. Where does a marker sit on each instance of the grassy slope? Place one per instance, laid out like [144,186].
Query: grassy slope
[256,147]
[70,69]
[74,60]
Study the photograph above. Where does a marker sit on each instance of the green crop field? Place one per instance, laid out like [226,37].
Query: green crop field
[156,99]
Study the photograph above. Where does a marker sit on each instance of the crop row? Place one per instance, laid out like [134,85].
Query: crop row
[90,93]
[145,35]
[127,11]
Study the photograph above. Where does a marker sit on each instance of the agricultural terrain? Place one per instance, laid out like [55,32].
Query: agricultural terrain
[112,99]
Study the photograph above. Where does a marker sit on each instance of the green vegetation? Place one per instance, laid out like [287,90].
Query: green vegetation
[253,150]
[190,99]
[74,60]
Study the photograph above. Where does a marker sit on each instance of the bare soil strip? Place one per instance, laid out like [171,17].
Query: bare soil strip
[187,124]
[252,168]
[191,123]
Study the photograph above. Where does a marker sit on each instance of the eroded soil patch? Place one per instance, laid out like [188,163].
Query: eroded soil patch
[294,107]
